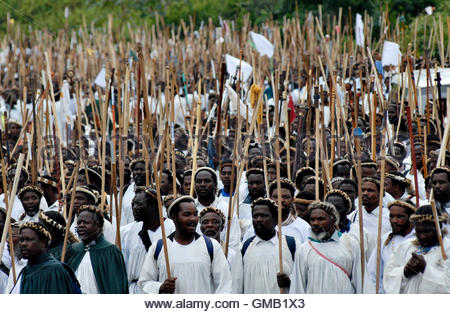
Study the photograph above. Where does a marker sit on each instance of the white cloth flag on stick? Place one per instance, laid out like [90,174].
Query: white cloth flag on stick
[100,80]
[429,10]
[233,104]
[262,44]
[391,54]
[359,30]
[232,68]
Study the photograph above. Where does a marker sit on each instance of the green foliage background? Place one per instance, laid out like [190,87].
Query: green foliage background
[41,14]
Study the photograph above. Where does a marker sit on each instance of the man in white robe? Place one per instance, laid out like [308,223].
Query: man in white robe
[329,262]
[261,252]
[205,182]
[30,197]
[138,236]
[137,167]
[417,266]
[197,264]
[371,210]
[212,222]
[402,230]
[291,225]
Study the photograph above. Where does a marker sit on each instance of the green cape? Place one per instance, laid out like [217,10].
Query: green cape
[47,276]
[56,250]
[107,263]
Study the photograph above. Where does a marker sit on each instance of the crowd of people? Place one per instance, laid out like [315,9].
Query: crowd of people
[246,188]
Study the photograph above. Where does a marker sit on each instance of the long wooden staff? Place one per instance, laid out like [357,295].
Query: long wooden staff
[360,209]
[197,128]
[70,215]
[413,153]
[12,197]
[380,206]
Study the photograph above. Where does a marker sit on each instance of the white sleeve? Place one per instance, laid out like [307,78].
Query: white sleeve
[237,270]
[149,277]
[220,270]
[299,275]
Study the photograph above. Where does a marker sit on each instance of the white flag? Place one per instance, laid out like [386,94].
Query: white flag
[429,10]
[262,44]
[100,80]
[232,67]
[359,30]
[391,53]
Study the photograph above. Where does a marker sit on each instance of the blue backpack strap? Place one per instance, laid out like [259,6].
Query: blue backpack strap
[158,248]
[209,247]
[290,241]
[246,244]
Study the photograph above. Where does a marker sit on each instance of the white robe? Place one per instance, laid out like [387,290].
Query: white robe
[314,274]
[370,220]
[434,279]
[261,265]
[86,277]
[191,265]
[133,249]
[126,216]
[386,252]
[234,259]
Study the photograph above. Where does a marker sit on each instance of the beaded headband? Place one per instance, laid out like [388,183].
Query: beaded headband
[14,166]
[214,210]
[340,162]
[47,182]
[29,188]
[283,181]
[390,160]
[371,179]
[397,178]
[227,164]
[135,161]
[37,228]
[88,191]
[146,190]
[179,200]
[90,208]
[440,169]
[51,222]
[340,193]
[170,198]
[313,180]
[427,218]
[210,170]
[254,171]
[264,199]
[403,204]
[328,208]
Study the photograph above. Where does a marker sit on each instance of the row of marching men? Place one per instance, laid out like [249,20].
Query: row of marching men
[319,254]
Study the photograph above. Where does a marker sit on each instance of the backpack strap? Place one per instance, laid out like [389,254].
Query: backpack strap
[158,248]
[291,245]
[246,244]
[209,247]
[208,242]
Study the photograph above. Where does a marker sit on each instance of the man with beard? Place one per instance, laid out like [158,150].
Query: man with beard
[342,202]
[43,274]
[137,167]
[329,262]
[212,222]
[291,225]
[30,196]
[256,189]
[197,263]
[440,181]
[98,264]
[402,230]
[417,265]
[260,253]
[371,210]
[138,236]
[84,195]
[205,180]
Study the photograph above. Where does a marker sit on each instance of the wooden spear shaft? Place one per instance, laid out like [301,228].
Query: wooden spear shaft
[12,197]
[380,221]
[70,215]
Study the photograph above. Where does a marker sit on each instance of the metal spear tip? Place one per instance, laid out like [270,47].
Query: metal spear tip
[358,132]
